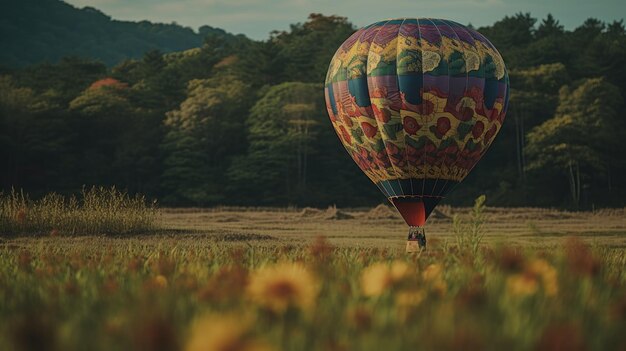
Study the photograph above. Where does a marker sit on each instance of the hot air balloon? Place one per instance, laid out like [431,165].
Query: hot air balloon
[416,102]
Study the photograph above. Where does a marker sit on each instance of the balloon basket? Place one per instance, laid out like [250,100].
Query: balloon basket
[416,240]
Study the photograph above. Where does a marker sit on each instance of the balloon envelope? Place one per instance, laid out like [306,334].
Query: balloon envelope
[416,102]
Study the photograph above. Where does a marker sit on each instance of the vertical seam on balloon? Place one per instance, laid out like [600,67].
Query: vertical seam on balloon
[336,132]
[377,122]
[383,170]
[421,89]
[489,44]
[448,67]
[464,92]
[481,73]
[467,74]
[484,104]
[358,42]
[406,154]
[480,66]
[484,151]
[400,110]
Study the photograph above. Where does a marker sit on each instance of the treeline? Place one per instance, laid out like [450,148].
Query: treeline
[32,31]
[243,122]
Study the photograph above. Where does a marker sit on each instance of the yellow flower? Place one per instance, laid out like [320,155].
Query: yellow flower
[521,285]
[376,279]
[160,281]
[434,277]
[399,270]
[224,333]
[548,275]
[410,298]
[379,277]
[432,273]
[283,285]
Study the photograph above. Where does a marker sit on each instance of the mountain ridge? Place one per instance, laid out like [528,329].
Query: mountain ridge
[35,31]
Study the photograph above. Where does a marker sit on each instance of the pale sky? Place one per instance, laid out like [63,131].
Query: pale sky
[256,18]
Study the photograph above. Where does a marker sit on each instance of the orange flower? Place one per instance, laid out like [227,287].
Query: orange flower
[542,268]
[283,285]
[522,285]
[380,277]
[160,281]
[410,298]
[224,333]
[432,272]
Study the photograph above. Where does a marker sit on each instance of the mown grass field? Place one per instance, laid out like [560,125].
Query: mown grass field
[264,279]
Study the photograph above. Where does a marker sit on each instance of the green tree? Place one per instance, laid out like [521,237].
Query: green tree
[118,143]
[304,52]
[549,27]
[511,35]
[534,99]
[33,138]
[583,140]
[202,135]
[282,127]
[65,80]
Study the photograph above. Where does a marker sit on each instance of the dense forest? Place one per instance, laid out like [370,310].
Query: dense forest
[242,122]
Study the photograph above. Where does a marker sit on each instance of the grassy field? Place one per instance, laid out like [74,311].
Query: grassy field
[264,279]
[383,227]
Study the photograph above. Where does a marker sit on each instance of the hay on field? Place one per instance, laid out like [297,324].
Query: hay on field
[382,211]
[439,216]
[333,213]
[309,212]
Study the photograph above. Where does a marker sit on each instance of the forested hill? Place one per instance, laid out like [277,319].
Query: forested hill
[33,31]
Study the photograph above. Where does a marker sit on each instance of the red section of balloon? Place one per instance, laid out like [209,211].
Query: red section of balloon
[413,213]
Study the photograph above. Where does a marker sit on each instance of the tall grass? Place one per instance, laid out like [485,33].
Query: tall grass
[97,210]
[469,235]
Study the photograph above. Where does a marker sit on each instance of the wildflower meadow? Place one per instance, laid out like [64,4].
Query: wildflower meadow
[277,286]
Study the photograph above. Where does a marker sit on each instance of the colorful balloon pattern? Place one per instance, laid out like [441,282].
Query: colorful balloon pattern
[416,102]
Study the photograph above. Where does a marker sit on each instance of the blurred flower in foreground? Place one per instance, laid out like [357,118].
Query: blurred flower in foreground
[410,298]
[160,281]
[511,259]
[227,283]
[548,275]
[224,333]
[379,277]
[527,283]
[283,285]
[522,284]
[433,275]
[432,272]
[580,258]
